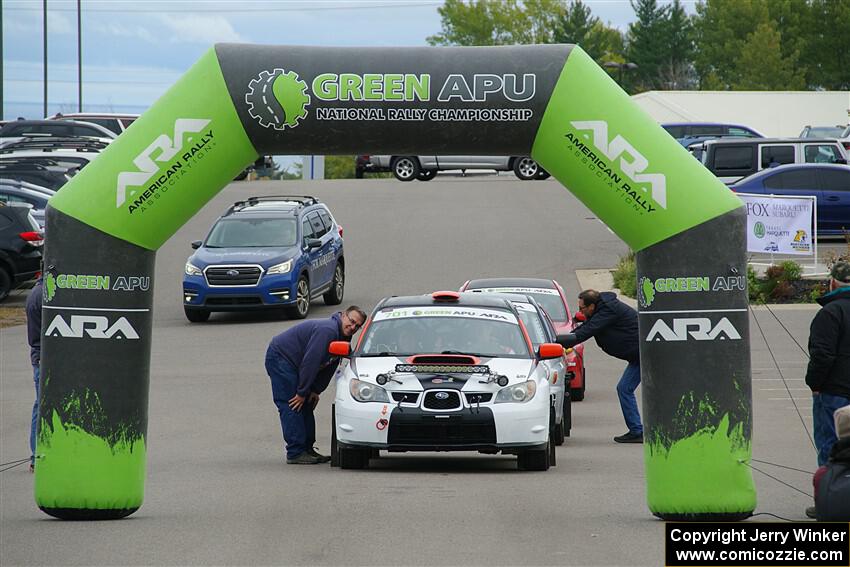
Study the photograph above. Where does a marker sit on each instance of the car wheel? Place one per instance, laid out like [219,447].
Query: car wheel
[302,299]
[568,414]
[577,394]
[559,435]
[334,295]
[354,457]
[534,460]
[406,168]
[525,168]
[542,174]
[427,174]
[196,315]
[358,173]
[553,457]
[5,284]
[334,443]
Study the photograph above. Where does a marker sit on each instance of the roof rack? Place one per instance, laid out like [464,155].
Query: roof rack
[55,143]
[302,200]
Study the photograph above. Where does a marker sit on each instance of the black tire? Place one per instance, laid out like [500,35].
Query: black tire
[427,174]
[358,173]
[534,460]
[334,295]
[334,443]
[406,168]
[5,283]
[525,168]
[354,457]
[542,174]
[558,434]
[577,394]
[568,414]
[196,315]
[302,299]
[553,457]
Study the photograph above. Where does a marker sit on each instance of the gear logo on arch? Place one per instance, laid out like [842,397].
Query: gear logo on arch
[277,99]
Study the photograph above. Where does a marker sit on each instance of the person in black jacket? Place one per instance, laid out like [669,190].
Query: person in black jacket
[828,373]
[34,339]
[614,325]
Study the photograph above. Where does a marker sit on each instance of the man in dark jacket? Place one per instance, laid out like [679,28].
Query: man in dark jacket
[300,368]
[34,339]
[615,327]
[828,374]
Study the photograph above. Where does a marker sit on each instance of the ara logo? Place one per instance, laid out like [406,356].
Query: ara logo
[697,328]
[147,164]
[277,99]
[95,326]
[632,162]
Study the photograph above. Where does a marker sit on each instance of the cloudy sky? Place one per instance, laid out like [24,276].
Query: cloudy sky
[133,50]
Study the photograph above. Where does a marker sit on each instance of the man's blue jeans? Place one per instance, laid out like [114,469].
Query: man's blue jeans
[298,427]
[823,410]
[626,387]
[35,374]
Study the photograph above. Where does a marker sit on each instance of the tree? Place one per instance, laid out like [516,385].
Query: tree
[825,49]
[480,22]
[339,167]
[676,71]
[647,42]
[576,24]
[761,67]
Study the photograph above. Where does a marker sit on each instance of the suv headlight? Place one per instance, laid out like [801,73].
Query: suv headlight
[193,270]
[367,392]
[518,393]
[282,268]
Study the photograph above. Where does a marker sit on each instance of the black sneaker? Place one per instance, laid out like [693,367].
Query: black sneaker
[629,437]
[811,512]
[322,458]
[304,458]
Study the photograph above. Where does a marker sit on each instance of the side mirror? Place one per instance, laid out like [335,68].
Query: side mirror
[579,316]
[196,244]
[312,243]
[550,350]
[340,348]
[567,340]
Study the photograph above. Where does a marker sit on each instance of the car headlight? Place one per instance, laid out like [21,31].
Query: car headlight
[518,393]
[282,268]
[193,270]
[367,392]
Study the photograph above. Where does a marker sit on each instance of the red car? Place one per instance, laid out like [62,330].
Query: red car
[550,295]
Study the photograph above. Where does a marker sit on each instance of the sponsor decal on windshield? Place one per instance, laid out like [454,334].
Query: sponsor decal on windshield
[450,312]
[540,290]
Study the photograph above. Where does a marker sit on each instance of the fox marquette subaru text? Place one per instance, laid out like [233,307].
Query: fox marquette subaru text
[266,253]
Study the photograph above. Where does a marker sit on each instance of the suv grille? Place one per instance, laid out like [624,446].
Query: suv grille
[442,400]
[233,275]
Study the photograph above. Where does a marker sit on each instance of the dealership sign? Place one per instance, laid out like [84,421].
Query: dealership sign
[779,225]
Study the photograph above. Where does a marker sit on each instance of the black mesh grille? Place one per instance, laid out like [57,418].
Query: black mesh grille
[233,275]
[475,398]
[442,400]
[406,397]
[456,431]
[234,301]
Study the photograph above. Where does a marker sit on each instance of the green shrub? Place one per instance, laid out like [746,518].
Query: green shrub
[625,275]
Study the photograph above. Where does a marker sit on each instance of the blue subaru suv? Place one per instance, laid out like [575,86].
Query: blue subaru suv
[266,253]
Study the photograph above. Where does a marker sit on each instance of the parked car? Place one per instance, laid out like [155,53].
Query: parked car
[17,192]
[443,372]
[732,160]
[19,129]
[49,176]
[21,242]
[277,252]
[842,133]
[829,183]
[550,295]
[425,168]
[681,130]
[115,123]
[48,162]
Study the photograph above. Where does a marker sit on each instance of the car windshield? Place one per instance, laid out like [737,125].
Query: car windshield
[407,331]
[825,132]
[549,299]
[250,233]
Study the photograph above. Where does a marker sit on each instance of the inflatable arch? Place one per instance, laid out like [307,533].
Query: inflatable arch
[241,101]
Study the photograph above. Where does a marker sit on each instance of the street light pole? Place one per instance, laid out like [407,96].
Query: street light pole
[44,8]
[622,67]
[79,59]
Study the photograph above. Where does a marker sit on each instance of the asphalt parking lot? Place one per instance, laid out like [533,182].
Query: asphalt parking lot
[218,491]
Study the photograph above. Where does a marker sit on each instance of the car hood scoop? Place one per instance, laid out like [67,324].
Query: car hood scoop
[443,359]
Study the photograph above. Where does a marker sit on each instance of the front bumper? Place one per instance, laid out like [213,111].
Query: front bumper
[270,292]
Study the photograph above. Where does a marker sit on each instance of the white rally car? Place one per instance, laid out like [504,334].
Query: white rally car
[444,372]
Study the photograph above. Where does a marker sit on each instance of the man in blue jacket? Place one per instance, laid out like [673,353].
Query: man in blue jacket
[615,327]
[300,368]
[34,339]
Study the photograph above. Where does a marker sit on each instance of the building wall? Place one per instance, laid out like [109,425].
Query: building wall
[774,114]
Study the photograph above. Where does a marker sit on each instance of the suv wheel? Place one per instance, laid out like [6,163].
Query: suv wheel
[406,168]
[525,168]
[302,299]
[5,283]
[196,315]
[334,295]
